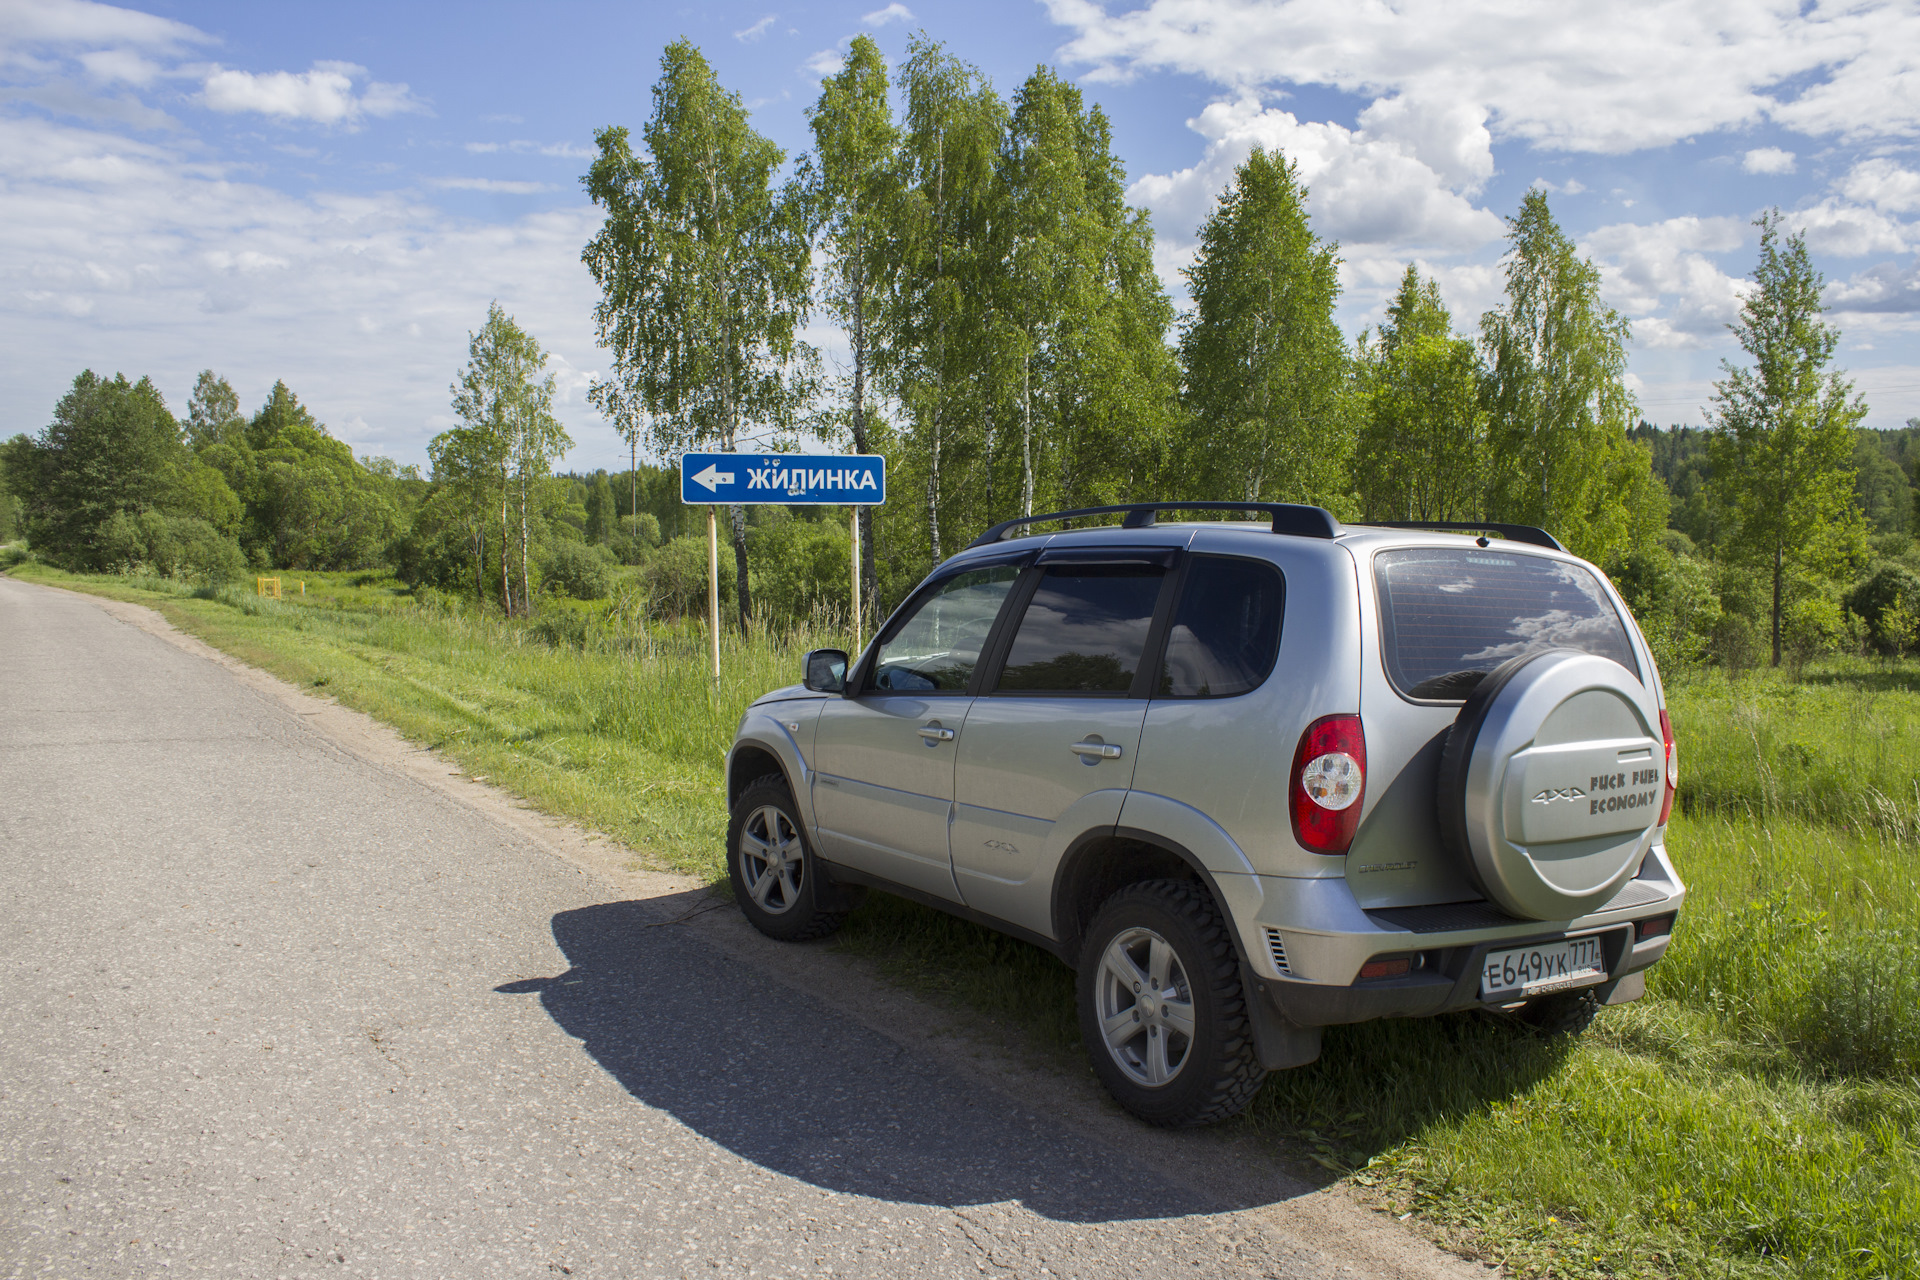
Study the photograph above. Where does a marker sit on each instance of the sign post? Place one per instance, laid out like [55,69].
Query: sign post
[779,479]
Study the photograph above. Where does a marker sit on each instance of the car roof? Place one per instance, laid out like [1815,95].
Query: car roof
[1250,538]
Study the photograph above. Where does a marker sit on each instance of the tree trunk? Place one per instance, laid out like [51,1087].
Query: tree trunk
[1776,606]
[737,519]
[1026,435]
[526,579]
[863,514]
[506,558]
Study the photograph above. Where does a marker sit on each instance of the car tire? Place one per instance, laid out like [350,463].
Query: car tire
[1186,1055]
[1566,1013]
[776,879]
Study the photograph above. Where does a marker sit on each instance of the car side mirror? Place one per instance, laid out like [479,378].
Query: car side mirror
[824,670]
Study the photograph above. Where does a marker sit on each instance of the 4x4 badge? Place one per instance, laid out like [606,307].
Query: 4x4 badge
[1564,793]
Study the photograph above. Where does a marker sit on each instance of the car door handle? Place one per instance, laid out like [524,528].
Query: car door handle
[1105,750]
[934,733]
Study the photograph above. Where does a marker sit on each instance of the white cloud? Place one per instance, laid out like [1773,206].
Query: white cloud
[827,62]
[1767,160]
[757,30]
[1659,276]
[58,23]
[1890,287]
[1607,78]
[324,95]
[1883,184]
[895,12]
[520,146]
[130,255]
[1365,187]
[1571,187]
[499,186]
[1848,231]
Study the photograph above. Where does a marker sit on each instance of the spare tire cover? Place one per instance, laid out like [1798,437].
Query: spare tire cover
[1550,782]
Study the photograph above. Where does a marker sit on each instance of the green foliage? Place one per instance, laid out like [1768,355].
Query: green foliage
[1672,597]
[575,569]
[1422,439]
[1888,602]
[704,271]
[111,447]
[673,578]
[1783,437]
[182,547]
[1266,365]
[802,569]
[502,450]
[1555,391]
[599,510]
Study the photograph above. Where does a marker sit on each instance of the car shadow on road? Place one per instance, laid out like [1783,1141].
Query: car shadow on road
[788,1083]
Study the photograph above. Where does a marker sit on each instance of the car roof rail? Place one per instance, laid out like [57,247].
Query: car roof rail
[1515,532]
[1292,518]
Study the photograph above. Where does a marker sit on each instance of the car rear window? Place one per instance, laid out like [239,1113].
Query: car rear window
[1450,616]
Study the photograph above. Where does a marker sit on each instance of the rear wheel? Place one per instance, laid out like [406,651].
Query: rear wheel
[775,878]
[1161,1006]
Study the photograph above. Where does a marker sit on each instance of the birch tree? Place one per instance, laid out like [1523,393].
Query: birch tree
[704,271]
[854,185]
[942,239]
[506,410]
[1556,397]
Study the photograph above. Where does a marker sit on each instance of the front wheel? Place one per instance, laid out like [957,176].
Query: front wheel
[1162,1009]
[775,879]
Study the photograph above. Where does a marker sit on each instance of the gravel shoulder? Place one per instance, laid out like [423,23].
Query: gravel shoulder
[288,994]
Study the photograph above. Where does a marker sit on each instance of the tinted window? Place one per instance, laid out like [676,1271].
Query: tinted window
[1449,616]
[1084,630]
[938,646]
[1226,629]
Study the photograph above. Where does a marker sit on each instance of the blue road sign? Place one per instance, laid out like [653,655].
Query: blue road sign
[788,479]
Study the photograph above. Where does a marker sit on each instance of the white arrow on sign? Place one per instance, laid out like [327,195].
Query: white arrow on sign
[712,476]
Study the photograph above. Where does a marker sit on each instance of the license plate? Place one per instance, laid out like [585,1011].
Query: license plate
[1537,970]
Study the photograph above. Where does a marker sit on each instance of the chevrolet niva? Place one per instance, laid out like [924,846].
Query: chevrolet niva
[1250,780]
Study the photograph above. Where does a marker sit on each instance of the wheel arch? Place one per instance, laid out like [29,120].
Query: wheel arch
[1100,863]
[750,761]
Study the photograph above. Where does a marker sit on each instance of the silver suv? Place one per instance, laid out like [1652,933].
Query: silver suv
[1249,779]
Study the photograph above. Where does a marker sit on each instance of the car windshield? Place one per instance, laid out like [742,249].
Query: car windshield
[1450,616]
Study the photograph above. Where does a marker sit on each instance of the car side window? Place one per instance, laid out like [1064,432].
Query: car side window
[1226,629]
[937,647]
[1084,630]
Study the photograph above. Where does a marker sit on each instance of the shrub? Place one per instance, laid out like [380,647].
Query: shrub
[180,547]
[1889,602]
[799,566]
[674,577]
[575,569]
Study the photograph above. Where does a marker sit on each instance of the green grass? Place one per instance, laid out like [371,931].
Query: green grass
[1755,1114]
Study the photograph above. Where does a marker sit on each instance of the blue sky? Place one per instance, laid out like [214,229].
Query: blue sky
[331,194]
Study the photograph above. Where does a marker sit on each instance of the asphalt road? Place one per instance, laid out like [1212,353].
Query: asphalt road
[270,1007]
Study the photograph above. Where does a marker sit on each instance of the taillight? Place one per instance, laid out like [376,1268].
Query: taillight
[1329,781]
[1673,766]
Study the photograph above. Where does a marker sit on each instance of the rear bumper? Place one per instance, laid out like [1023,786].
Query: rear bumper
[1310,974]
[1452,986]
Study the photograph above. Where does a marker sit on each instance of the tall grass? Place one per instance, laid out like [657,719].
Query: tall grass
[1840,747]
[1757,1113]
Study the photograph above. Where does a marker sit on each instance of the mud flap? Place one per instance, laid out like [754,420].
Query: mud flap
[1631,987]
[1278,1042]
